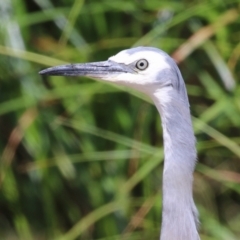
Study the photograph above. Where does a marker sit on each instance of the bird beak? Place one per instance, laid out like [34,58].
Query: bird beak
[99,70]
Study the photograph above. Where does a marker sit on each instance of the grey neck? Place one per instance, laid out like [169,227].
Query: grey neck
[179,217]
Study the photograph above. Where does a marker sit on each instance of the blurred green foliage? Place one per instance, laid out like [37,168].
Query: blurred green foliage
[83,160]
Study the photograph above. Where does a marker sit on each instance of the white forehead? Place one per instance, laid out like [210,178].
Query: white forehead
[129,56]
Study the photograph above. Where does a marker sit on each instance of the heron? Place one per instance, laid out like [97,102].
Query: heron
[154,73]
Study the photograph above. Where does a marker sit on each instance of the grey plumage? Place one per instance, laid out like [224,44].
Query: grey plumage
[154,73]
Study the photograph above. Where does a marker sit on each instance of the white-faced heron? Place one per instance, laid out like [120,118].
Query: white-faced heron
[154,73]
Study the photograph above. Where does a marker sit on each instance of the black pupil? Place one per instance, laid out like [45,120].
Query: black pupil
[141,64]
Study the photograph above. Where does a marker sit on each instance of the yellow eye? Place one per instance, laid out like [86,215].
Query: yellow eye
[142,64]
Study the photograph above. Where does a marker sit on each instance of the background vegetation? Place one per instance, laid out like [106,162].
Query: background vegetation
[83,160]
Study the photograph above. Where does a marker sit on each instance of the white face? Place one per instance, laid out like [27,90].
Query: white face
[154,61]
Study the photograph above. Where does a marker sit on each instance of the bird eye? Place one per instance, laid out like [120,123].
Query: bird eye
[142,64]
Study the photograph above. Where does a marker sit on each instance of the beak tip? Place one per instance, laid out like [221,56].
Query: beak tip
[48,71]
[42,72]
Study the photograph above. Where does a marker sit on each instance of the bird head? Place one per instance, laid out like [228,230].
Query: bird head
[146,69]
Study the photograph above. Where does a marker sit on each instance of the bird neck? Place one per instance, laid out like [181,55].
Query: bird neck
[179,217]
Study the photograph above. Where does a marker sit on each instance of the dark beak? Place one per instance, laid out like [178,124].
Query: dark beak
[94,69]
